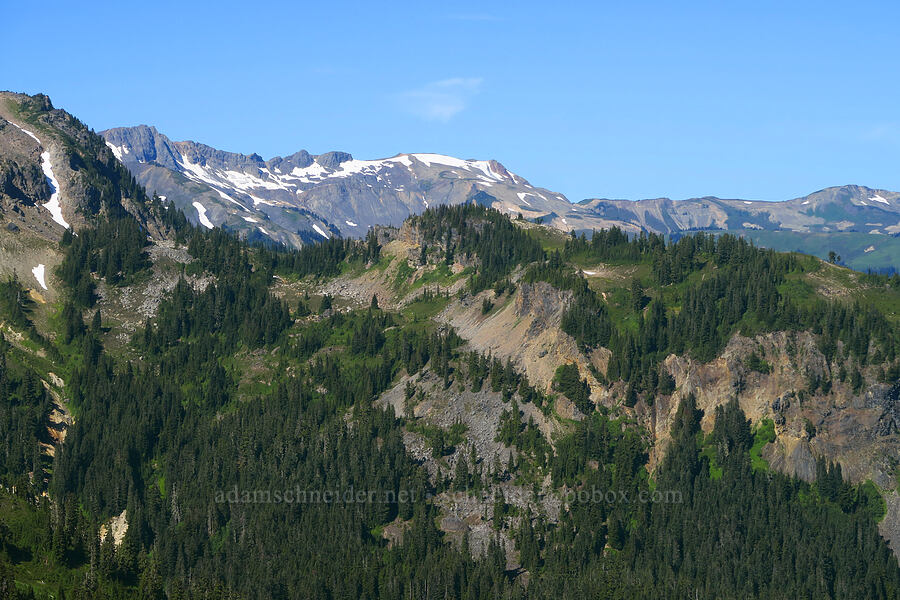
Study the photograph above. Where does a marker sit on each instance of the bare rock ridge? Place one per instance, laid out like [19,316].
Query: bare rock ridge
[304,198]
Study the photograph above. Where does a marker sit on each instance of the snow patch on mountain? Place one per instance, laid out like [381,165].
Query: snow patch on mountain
[440,159]
[38,272]
[305,174]
[368,167]
[53,205]
[28,133]
[119,153]
[229,198]
[320,232]
[201,215]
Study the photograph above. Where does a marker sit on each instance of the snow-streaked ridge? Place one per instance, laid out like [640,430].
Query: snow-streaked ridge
[53,204]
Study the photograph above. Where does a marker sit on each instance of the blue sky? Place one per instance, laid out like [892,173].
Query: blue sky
[753,99]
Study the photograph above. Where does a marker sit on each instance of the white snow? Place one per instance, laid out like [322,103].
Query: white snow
[258,200]
[403,159]
[747,202]
[369,167]
[195,171]
[870,249]
[351,223]
[877,198]
[53,205]
[589,272]
[320,232]
[201,214]
[264,231]
[863,202]
[163,198]
[425,202]
[115,150]
[28,133]
[314,170]
[485,167]
[440,159]
[522,195]
[39,275]
[229,198]
[450,161]
[243,181]
[250,219]
[805,202]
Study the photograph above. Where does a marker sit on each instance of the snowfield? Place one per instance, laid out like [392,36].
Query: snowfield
[201,214]
[53,205]
[38,272]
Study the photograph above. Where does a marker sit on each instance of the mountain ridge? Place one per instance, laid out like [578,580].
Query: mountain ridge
[304,198]
[488,365]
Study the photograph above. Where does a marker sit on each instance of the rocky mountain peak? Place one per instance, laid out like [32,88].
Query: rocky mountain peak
[333,159]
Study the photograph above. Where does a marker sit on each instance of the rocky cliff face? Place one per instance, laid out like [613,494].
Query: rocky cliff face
[857,429]
[55,174]
[39,190]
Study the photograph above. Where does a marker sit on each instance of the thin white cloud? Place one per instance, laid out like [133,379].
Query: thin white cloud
[440,100]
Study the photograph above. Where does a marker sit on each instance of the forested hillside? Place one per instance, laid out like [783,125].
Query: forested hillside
[305,423]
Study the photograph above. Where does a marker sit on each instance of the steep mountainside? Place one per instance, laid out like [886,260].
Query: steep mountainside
[305,198]
[57,176]
[469,405]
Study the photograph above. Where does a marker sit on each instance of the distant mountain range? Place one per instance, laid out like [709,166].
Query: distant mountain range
[305,198]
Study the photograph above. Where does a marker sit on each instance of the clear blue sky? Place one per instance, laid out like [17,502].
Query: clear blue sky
[750,99]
